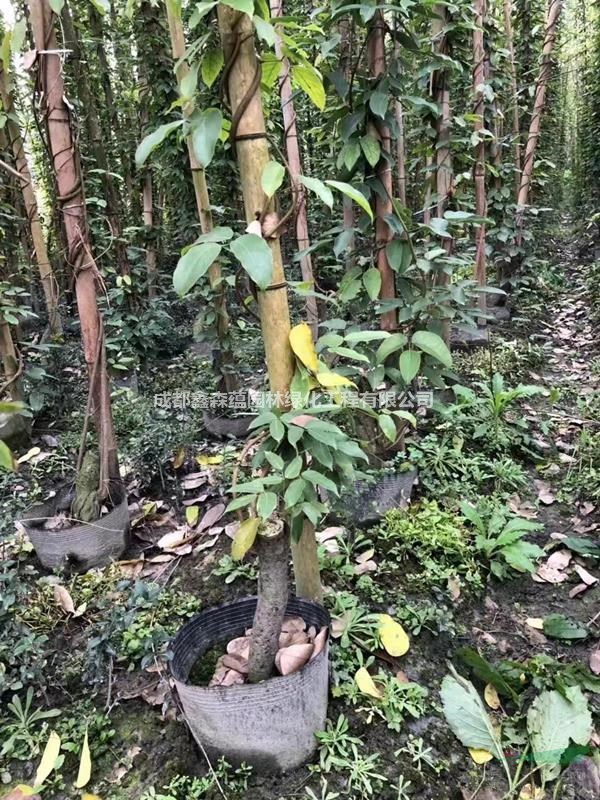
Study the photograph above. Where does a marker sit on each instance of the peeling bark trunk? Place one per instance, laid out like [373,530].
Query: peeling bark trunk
[479,168]
[248,138]
[516,124]
[71,201]
[541,85]
[49,283]
[383,205]
[295,165]
[96,140]
[203,204]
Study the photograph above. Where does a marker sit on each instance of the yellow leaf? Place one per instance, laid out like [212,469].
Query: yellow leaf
[366,684]
[244,538]
[332,379]
[35,451]
[179,458]
[208,461]
[86,796]
[535,622]
[480,756]
[24,790]
[529,792]
[302,344]
[491,696]
[85,765]
[49,757]
[191,515]
[393,636]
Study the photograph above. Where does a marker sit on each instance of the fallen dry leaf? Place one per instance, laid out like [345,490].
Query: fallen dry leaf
[491,697]
[595,661]
[329,533]
[320,642]
[545,493]
[291,659]
[64,599]
[579,589]
[585,576]
[364,567]
[454,588]
[339,625]
[213,515]
[535,622]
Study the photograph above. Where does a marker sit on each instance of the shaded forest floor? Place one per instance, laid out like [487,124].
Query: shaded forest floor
[546,470]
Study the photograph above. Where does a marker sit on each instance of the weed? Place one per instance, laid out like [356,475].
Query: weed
[233,570]
[24,728]
[223,777]
[420,755]
[335,743]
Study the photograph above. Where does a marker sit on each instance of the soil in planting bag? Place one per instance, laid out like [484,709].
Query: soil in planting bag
[366,503]
[270,725]
[82,547]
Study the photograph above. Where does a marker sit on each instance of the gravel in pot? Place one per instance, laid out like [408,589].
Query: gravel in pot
[270,725]
[84,546]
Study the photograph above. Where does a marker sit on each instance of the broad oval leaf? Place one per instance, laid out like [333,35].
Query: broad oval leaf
[410,362]
[390,345]
[272,177]
[393,636]
[85,764]
[255,256]
[371,149]
[353,194]
[206,129]
[244,538]
[372,282]
[433,345]
[301,342]
[153,140]
[212,64]
[366,684]
[246,6]
[194,265]
[467,716]
[322,191]
[266,504]
[309,80]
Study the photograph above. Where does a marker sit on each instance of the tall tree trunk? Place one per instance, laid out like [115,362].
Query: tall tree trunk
[147,13]
[479,168]
[49,283]
[71,200]
[444,175]
[401,138]
[383,204]
[218,286]
[248,139]
[346,32]
[96,139]
[10,364]
[514,91]
[541,85]
[292,147]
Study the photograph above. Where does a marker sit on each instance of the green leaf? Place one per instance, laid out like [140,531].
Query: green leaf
[410,363]
[366,336]
[6,457]
[255,256]
[372,282]
[189,83]
[585,547]
[294,468]
[389,346]
[552,721]
[276,429]
[323,192]
[318,479]
[218,234]
[265,30]
[309,80]
[271,69]
[194,265]
[439,227]
[294,492]
[272,177]
[212,64]
[241,502]
[467,716]
[371,149]
[101,6]
[200,11]
[153,140]
[399,255]
[57,6]
[266,504]
[406,415]
[275,460]
[353,194]
[379,103]
[557,626]
[433,345]
[521,555]
[206,129]
[486,672]
[246,6]
[388,426]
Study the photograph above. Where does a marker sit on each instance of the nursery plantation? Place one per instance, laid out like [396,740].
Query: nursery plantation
[299,400]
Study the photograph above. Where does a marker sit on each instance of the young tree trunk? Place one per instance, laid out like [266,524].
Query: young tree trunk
[292,147]
[444,176]
[541,85]
[49,283]
[383,205]
[346,31]
[516,124]
[401,139]
[63,148]
[479,168]
[249,142]
[96,139]
[218,286]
